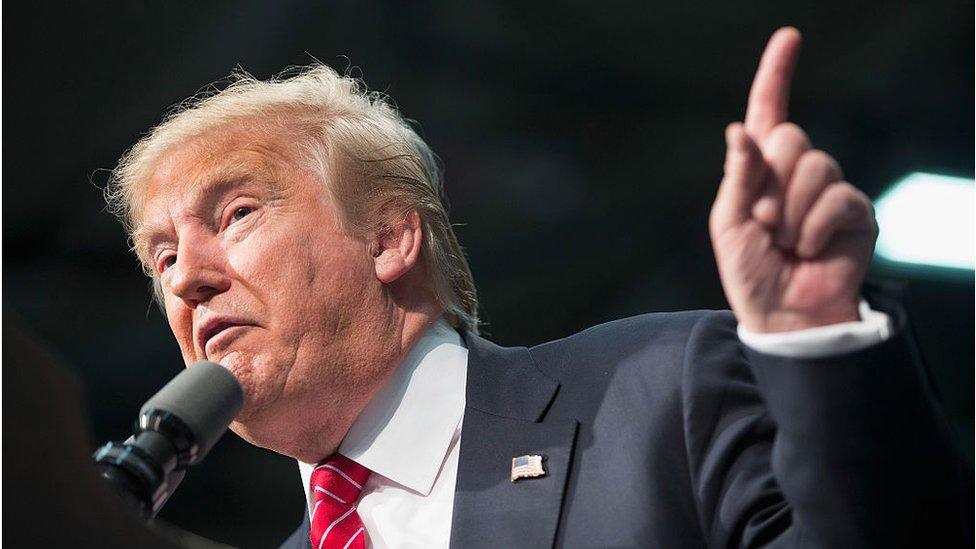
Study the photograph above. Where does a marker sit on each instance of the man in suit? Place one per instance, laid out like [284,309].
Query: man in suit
[295,233]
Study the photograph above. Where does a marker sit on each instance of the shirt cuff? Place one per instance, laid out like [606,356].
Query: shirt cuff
[834,339]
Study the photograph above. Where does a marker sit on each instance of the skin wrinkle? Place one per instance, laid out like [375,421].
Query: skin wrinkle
[328,120]
[145,235]
[328,333]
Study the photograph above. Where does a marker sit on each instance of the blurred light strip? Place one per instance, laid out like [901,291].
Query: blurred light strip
[928,219]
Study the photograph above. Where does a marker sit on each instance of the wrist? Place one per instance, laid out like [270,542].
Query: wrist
[790,321]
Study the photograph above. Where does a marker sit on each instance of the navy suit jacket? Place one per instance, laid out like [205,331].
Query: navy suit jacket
[663,430]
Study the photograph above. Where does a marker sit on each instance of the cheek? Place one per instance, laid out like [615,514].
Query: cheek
[262,285]
[341,273]
[298,263]
[181,323]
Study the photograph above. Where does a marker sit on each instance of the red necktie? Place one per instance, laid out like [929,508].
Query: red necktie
[336,484]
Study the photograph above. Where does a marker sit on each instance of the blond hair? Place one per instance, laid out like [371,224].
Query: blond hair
[370,159]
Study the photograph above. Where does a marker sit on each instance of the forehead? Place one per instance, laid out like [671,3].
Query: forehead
[219,156]
[221,159]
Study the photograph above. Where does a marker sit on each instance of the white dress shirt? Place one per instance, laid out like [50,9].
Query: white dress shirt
[834,339]
[409,434]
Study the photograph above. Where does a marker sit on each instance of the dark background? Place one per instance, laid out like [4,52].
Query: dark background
[582,143]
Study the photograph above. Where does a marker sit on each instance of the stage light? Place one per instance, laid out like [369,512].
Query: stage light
[927,219]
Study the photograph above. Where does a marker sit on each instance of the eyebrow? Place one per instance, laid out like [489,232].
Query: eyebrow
[204,192]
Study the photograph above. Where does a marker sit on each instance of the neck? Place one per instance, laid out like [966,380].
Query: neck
[404,328]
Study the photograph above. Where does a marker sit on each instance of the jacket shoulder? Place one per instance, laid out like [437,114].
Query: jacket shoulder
[668,329]
[646,342]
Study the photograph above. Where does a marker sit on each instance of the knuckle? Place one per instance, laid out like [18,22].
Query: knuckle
[839,191]
[846,190]
[866,206]
[820,163]
[789,132]
[854,201]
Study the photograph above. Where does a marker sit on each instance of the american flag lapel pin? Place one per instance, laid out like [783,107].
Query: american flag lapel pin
[528,466]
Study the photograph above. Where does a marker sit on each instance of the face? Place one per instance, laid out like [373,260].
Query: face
[258,276]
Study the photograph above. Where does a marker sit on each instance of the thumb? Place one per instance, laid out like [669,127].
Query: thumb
[745,174]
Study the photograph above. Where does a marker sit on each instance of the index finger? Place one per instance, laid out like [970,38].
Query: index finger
[769,97]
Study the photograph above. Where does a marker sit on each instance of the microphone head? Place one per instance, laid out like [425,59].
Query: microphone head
[194,409]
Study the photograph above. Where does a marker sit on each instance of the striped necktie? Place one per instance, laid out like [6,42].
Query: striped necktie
[336,484]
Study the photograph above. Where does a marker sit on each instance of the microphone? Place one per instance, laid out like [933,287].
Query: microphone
[175,429]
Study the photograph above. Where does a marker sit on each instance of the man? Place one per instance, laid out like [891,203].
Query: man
[295,233]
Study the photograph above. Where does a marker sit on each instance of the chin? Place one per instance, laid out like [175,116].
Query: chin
[258,427]
[262,385]
[254,436]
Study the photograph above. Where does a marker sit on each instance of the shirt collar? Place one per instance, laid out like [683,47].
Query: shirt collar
[404,431]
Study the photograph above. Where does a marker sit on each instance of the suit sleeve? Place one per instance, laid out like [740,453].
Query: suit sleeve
[844,451]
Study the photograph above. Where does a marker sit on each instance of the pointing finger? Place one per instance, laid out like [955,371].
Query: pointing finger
[770,93]
[745,173]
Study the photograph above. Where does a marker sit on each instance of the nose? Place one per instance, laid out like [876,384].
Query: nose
[199,273]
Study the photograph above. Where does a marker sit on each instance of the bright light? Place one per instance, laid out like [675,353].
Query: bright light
[928,219]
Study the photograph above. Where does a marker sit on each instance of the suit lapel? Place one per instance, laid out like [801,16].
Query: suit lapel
[299,539]
[507,398]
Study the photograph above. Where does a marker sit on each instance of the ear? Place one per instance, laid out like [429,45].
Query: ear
[397,248]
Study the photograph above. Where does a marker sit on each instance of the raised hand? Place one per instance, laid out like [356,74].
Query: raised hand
[792,239]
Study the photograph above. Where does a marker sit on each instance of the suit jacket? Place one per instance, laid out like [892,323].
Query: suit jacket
[663,430]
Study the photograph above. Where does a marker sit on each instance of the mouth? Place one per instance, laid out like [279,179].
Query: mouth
[216,332]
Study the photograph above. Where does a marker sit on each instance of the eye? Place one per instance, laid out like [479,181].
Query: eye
[241,213]
[167,262]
